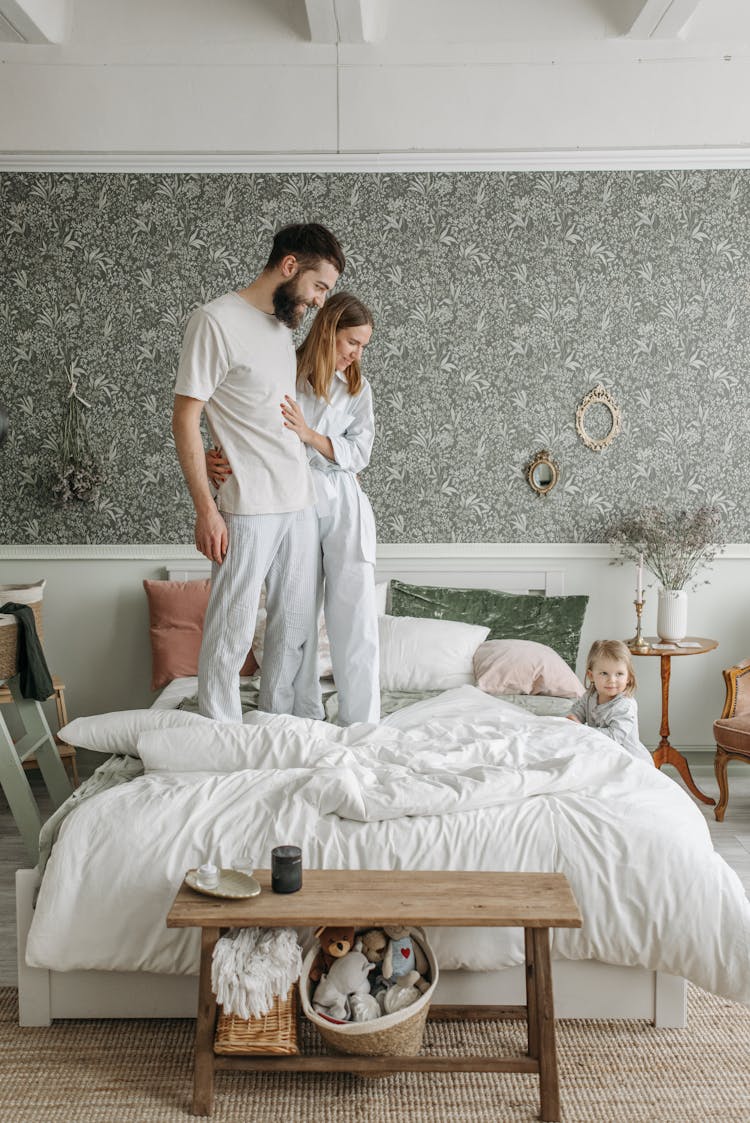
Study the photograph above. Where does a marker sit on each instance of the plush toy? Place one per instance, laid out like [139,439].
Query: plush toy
[334,943]
[347,977]
[373,943]
[396,998]
[404,964]
[365,1007]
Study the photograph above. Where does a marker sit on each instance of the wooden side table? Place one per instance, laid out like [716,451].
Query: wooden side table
[535,902]
[665,753]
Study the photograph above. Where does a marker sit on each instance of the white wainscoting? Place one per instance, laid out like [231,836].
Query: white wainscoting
[96,617]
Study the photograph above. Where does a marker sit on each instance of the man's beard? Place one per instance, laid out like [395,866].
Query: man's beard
[287,306]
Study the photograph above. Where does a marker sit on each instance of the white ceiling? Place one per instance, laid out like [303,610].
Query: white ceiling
[398,24]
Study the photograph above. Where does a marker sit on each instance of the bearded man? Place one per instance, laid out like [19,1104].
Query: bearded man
[238,363]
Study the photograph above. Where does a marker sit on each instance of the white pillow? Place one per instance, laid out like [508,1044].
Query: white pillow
[425,654]
[118,732]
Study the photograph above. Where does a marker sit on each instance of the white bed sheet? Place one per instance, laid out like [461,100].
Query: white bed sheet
[526,792]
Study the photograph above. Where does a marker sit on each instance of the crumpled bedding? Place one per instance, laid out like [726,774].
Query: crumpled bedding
[183,694]
[461,781]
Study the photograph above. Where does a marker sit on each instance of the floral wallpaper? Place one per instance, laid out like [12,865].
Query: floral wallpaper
[500,300]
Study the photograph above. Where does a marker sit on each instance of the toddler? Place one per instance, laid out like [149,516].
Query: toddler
[608,704]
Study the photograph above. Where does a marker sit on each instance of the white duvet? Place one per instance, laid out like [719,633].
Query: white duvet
[462,781]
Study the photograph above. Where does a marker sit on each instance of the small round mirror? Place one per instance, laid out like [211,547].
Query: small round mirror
[598,419]
[542,473]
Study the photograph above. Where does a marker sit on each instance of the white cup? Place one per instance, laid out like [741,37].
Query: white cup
[244,863]
[208,875]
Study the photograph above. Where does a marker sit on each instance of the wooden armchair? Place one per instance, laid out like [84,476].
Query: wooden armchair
[732,730]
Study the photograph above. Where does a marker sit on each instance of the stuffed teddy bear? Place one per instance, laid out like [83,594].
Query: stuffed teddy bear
[404,963]
[373,944]
[347,977]
[334,943]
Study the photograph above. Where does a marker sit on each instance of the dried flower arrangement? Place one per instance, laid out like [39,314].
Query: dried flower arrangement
[79,473]
[674,545]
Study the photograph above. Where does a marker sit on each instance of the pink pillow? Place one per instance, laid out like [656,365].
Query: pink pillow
[520,666]
[176,611]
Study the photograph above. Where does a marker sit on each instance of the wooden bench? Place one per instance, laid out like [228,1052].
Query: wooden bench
[535,902]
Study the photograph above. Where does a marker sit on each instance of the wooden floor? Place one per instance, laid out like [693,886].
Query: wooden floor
[731,839]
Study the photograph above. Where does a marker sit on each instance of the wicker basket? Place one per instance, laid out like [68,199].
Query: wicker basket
[275,1033]
[393,1035]
[9,642]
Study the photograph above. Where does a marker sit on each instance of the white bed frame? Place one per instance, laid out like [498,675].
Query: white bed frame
[583,989]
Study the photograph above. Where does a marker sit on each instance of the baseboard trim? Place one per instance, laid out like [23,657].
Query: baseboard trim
[699,755]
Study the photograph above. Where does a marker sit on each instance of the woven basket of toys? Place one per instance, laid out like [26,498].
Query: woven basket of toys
[384,969]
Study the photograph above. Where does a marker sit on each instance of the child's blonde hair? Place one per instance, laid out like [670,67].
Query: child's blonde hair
[613,649]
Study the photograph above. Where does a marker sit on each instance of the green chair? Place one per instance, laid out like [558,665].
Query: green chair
[33,738]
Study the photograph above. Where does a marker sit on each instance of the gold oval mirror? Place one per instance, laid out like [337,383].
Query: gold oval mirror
[595,399]
[542,473]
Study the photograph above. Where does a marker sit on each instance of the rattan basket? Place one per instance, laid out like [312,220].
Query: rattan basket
[276,1033]
[9,642]
[393,1035]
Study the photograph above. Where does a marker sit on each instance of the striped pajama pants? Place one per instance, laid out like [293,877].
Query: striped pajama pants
[283,551]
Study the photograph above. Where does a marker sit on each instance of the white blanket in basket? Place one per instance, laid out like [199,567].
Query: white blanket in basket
[462,781]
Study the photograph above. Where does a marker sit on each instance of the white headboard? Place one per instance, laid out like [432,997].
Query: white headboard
[424,570]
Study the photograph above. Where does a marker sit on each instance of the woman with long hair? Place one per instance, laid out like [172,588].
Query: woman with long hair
[333,417]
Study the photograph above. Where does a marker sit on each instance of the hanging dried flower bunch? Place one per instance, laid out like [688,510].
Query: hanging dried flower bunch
[79,474]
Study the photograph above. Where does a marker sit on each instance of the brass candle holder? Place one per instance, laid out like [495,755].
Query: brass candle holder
[638,643]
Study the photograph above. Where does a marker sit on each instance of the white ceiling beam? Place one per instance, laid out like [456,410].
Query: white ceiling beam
[662,19]
[345,21]
[39,21]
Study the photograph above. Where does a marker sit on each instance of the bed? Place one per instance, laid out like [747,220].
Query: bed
[513,790]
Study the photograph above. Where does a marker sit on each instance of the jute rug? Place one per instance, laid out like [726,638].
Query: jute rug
[141,1072]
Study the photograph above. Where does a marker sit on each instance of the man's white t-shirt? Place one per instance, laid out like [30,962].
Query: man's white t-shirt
[241,362]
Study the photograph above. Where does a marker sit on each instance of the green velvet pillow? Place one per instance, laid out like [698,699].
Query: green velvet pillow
[556,621]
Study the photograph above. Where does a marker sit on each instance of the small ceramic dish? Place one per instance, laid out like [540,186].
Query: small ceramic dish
[232,883]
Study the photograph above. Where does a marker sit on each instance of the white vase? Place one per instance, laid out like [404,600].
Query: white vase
[671,617]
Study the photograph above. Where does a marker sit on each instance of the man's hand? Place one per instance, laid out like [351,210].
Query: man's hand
[211,536]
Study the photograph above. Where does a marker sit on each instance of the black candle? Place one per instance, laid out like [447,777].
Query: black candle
[286,869]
